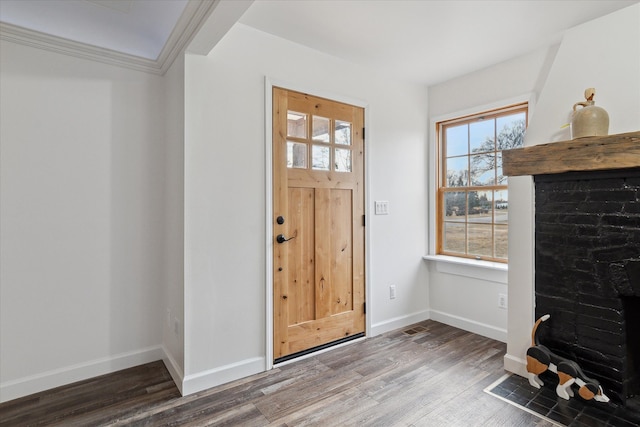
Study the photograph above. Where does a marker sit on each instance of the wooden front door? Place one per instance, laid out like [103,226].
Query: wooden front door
[318,222]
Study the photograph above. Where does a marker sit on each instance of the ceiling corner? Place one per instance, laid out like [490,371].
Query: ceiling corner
[222,16]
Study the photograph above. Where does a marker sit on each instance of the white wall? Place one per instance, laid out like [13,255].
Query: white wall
[465,295]
[172,318]
[605,54]
[225,241]
[81,219]
[518,76]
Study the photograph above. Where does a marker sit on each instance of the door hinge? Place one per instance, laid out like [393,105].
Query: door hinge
[364,220]
[364,307]
[363,133]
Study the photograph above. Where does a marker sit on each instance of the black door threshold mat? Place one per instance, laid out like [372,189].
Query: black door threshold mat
[545,404]
[318,348]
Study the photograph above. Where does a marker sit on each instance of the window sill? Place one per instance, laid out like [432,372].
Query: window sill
[477,269]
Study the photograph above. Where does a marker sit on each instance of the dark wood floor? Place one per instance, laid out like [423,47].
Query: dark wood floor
[427,375]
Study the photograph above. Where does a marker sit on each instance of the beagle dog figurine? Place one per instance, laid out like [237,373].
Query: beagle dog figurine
[540,359]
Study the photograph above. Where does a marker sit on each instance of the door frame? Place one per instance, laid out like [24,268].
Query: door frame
[268,86]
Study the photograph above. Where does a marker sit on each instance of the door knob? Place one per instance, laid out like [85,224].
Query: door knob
[280,238]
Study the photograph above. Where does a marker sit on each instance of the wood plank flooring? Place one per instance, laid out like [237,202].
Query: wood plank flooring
[429,374]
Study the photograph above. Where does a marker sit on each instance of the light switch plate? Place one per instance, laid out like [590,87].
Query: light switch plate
[382,207]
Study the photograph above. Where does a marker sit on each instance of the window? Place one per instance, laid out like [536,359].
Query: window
[473,201]
[329,138]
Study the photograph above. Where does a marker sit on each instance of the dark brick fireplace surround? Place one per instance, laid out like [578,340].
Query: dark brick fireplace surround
[587,255]
[587,263]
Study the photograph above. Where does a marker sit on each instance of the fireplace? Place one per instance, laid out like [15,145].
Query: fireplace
[587,263]
[587,255]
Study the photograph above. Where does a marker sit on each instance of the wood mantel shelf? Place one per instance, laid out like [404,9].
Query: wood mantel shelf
[591,153]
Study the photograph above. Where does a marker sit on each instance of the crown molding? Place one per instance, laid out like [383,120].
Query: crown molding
[64,46]
[195,14]
[193,18]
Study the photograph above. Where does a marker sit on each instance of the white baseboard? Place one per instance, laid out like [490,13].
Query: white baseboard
[515,364]
[398,322]
[194,383]
[25,386]
[176,372]
[479,328]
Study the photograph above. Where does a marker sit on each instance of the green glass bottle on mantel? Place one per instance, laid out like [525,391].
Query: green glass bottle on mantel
[590,120]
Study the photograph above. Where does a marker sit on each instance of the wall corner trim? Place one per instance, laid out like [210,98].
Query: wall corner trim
[515,365]
[194,383]
[398,322]
[176,372]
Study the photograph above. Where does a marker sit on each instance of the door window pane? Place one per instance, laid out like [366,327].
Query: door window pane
[296,155]
[320,157]
[321,129]
[343,160]
[343,133]
[296,124]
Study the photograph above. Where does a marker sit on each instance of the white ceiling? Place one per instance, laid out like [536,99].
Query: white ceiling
[135,27]
[425,41]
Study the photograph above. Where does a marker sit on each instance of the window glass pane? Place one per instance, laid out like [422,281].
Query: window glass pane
[343,133]
[510,131]
[481,136]
[320,157]
[454,237]
[296,124]
[501,241]
[320,131]
[296,155]
[501,215]
[500,178]
[483,169]
[457,139]
[457,172]
[343,160]
[480,242]
[455,206]
[480,206]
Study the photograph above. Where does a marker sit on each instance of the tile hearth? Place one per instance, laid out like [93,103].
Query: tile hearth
[547,405]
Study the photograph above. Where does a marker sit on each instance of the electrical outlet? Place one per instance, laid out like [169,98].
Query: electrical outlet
[502,301]
[392,291]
